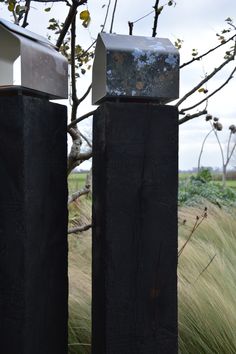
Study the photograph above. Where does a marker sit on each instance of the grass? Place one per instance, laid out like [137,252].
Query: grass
[229,183]
[207,282]
[76,181]
[80,281]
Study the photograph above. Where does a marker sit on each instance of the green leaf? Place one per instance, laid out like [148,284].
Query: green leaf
[159,10]
[201,89]
[47,9]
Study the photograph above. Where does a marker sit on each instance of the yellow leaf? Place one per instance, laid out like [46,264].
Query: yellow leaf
[11,6]
[85,15]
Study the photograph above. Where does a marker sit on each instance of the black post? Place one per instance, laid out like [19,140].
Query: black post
[135,179]
[33,226]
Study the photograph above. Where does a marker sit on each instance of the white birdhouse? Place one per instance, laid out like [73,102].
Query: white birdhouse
[29,62]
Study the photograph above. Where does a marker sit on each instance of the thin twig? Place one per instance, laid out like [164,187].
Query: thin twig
[85,51]
[74,230]
[16,21]
[85,94]
[232,151]
[106,16]
[91,113]
[212,94]
[75,102]
[206,53]
[228,146]
[113,16]
[195,226]
[211,260]
[27,7]
[219,143]
[192,116]
[157,13]
[206,79]
[203,144]
[141,18]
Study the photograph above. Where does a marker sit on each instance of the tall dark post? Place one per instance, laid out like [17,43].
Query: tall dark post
[33,211]
[135,171]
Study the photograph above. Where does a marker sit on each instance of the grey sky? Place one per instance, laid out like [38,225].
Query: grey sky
[195,22]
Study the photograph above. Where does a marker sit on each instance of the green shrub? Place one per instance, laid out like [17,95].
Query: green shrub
[194,190]
[204,175]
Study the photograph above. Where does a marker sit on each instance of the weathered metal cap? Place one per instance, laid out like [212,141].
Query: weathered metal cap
[30,62]
[135,67]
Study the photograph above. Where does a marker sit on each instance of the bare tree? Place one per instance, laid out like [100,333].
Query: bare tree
[216,127]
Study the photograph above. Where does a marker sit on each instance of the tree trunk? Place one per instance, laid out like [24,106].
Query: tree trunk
[224,176]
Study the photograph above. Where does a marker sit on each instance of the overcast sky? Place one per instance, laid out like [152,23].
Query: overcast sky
[194,22]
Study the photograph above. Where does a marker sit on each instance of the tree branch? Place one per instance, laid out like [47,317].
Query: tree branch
[68,21]
[83,156]
[206,53]
[91,113]
[131,27]
[75,102]
[74,230]
[191,116]
[85,51]
[86,139]
[219,143]
[231,154]
[203,144]
[107,12]
[212,94]
[113,16]
[157,13]
[85,95]
[78,194]
[27,6]
[75,157]
[206,79]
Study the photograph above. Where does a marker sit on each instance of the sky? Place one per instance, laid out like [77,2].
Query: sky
[194,22]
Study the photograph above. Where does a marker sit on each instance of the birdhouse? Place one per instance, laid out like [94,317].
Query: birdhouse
[135,68]
[30,63]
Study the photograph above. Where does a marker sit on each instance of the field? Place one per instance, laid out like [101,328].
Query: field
[231,178]
[230,183]
[76,181]
[206,273]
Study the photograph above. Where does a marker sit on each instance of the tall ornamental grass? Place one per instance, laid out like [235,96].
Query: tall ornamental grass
[207,283]
[206,274]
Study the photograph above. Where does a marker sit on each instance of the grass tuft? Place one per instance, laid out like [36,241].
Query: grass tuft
[206,274]
[207,283]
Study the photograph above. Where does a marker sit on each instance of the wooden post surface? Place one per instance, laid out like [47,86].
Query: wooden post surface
[33,226]
[135,182]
